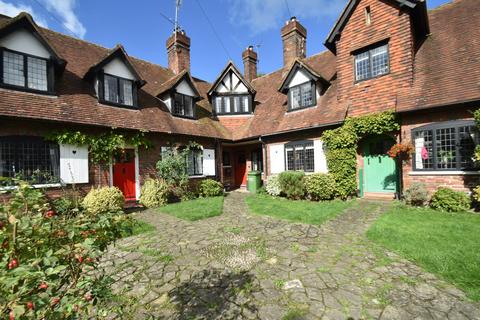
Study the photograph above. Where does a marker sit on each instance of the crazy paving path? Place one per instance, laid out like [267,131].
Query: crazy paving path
[243,266]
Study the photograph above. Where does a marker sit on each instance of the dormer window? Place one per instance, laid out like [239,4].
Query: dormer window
[232,104]
[119,90]
[183,105]
[372,63]
[24,71]
[302,96]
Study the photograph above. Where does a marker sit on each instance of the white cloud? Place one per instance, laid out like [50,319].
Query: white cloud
[264,15]
[65,10]
[12,10]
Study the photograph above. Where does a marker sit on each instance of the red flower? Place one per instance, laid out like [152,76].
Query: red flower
[50,214]
[30,305]
[80,259]
[11,315]
[54,301]
[12,264]
[43,286]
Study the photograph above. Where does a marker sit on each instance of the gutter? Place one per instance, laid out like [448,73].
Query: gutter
[303,129]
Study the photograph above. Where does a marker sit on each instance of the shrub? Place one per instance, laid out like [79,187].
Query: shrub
[273,186]
[320,186]
[154,193]
[262,190]
[476,194]
[292,184]
[47,260]
[69,203]
[101,200]
[210,188]
[449,200]
[416,194]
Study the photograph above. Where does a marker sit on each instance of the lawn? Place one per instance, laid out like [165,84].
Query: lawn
[298,211]
[137,228]
[197,209]
[447,245]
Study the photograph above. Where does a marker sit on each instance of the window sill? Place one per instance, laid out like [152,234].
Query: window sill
[35,186]
[197,177]
[118,105]
[444,173]
[240,114]
[27,90]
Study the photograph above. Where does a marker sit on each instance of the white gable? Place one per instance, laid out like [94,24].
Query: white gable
[185,88]
[231,84]
[23,41]
[299,77]
[117,67]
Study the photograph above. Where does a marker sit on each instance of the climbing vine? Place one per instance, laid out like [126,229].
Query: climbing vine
[342,143]
[101,146]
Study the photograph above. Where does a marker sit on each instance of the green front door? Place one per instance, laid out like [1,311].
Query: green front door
[380,172]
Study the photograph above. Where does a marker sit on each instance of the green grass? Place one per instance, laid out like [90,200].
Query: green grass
[138,227]
[197,209]
[447,245]
[298,211]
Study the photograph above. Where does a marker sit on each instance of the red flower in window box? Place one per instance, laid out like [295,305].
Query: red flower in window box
[401,151]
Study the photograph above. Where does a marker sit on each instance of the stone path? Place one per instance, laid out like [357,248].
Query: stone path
[243,266]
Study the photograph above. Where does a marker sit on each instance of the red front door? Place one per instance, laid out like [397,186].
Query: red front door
[240,169]
[124,173]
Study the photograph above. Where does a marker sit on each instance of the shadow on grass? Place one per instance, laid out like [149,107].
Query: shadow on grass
[214,294]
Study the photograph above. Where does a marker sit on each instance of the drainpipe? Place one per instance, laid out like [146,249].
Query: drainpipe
[265,163]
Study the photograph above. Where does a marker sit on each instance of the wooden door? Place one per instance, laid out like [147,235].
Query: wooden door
[380,169]
[240,169]
[124,173]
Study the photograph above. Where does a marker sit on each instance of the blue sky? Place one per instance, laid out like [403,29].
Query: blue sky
[140,27]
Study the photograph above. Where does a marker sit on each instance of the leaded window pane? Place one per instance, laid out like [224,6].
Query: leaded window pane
[195,163]
[295,98]
[309,158]
[236,104]
[126,87]
[111,89]
[300,156]
[379,61]
[244,100]
[29,158]
[307,95]
[362,66]
[372,63]
[446,149]
[424,149]
[468,138]
[290,159]
[37,74]
[13,69]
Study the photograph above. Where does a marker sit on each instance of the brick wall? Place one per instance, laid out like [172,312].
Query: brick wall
[387,22]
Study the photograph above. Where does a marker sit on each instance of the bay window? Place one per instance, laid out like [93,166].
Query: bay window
[302,96]
[29,158]
[24,71]
[300,156]
[183,105]
[445,146]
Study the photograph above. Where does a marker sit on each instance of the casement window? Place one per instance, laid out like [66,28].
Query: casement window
[29,158]
[119,91]
[27,72]
[445,146]
[183,105]
[195,163]
[257,160]
[302,96]
[300,156]
[372,63]
[232,104]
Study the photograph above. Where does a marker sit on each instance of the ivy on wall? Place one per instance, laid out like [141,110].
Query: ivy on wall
[476,116]
[342,144]
[103,146]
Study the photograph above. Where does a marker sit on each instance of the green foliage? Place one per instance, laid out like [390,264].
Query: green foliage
[443,244]
[47,260]
[342,143]
[273,186]
[416,194]
[292,184]
[476,194]
[103,146]
[154,193]
[320,186]
[445,199]
[105,199]
[210,188]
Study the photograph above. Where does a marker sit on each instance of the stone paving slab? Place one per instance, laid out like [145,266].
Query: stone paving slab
[243,266]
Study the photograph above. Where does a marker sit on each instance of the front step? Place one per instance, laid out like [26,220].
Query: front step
[389,196]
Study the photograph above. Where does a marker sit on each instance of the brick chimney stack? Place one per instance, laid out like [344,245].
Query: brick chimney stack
[178,50]
[250,60]
[294,38]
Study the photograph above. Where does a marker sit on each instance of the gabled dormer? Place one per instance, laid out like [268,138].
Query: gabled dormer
[115,79]
[231,94]
[303,86]
[180,95]
[28,61]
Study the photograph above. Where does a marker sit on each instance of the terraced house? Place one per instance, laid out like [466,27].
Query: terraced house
[381,55]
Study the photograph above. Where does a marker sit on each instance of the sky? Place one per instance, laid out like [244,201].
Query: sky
[142,28]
